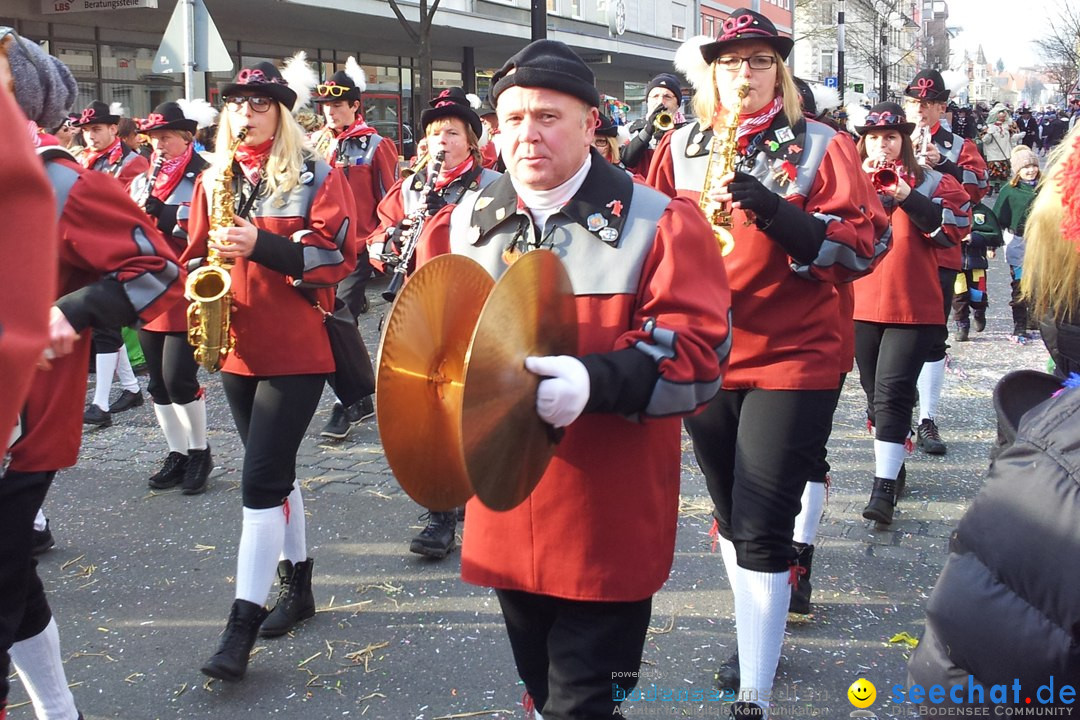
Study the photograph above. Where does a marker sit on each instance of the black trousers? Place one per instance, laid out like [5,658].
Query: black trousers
[351,289]
[572,653]
[1016,302]
[271,415]
[107,340]
[170,362]
[963,303]
[24,611]
[890,358]
[758,449]
[823,464]
[947,278]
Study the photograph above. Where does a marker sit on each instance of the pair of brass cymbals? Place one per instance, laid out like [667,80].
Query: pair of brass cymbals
[457,408]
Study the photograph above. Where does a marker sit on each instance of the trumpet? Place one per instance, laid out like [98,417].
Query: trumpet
[886,177]
[664,121]
[923,143]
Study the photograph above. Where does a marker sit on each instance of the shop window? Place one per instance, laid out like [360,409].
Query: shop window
[78,57]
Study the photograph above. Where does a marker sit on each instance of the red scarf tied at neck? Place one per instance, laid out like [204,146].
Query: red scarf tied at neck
[751,124]
[252,158]
[171,172]
[448,176]
[358,129]
[114,151]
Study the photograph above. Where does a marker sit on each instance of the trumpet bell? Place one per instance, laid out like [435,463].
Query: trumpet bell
[664,121]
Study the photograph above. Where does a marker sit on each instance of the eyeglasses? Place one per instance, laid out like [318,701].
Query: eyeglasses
[733,63]
[258,103]
[601,143]
[325,90]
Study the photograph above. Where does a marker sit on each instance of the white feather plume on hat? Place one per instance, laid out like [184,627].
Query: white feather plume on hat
[198,110]
[691,63]
[118,109]
[356,73]
[474,100]
[623,134]
[856,116]
[301,79]
[955,81]
[825,98]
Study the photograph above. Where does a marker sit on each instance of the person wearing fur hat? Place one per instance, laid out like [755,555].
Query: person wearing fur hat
[369,162]
[292,240]
[165,193]
[803,218]
[103,278]
[997,142]
[898,306]
[662,95]
[652,307]
[1011,209]
[939,148]
[452,128]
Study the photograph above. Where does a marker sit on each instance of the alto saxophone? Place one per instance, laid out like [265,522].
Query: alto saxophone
[723,153]
[209,287]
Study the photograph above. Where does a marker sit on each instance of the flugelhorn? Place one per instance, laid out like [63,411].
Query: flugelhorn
[663,121]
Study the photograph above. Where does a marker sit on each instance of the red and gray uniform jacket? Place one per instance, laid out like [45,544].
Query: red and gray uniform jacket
[125,165]
[115,269]
[370,164]
[904,289]
[306,242]
[172,221]
[831,229]
[963,161]
[653,326]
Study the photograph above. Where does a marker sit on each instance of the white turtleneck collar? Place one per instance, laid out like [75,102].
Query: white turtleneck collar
[542,204]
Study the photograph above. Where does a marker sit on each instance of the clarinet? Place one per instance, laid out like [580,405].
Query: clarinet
[411,235]
[144,196]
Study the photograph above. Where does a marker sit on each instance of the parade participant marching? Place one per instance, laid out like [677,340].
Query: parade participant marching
[165,193]
[607,144]
[1029,126]
[652,306]
[802,218]
[970,300]
[1011,209]
[452,127]
[898,306]
[936,147]
[104,150]
[291,238]
[663,112]
[114,268]
[369,162]
[997,147]
[67,133]
[490,150]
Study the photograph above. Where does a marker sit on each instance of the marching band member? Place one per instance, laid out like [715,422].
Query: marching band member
[104,150]
[652,308]
[898,306]
[369,162]
[292,239]
[938,148]
[607,143]
[803,219]
[165,193]
[663,95]
[451,126]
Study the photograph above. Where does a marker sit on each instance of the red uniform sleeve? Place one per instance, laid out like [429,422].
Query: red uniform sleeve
[329,239]
[661,172]
[134,166]
[386,167]
[973,171]
[391,211]
[955,213]
[198,227]
[27,262]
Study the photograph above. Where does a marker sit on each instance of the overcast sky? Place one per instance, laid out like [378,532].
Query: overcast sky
[1005,28]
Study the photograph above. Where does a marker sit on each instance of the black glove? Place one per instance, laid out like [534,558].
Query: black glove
[434,203]
[646,133]
[752,196]
[153,206]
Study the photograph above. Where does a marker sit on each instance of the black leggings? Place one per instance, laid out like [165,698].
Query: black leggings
[937,348]
[271,415]
[574,656]
[890,358]
[170,361]
[758,449]
[24,611]
[1016,301]
[107,340]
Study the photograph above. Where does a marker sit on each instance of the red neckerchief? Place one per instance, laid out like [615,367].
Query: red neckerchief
[448,176]
[933,130]
[251,159]
[171,173]
[751,124]
[357,129]
[114,151]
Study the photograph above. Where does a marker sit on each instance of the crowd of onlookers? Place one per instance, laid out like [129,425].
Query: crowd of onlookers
[1038,128]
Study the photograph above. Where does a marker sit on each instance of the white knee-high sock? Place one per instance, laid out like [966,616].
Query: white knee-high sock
[761,605]
[124,373]
[295,549]
[260,545]
[727,553]
[40,521]
[105,363]
[41,669]
[173,427]
[931,378]
[808,519]
[888,457]
[194,416]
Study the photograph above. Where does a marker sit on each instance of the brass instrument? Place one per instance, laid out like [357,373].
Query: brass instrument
[923,143]
[664,121]
[886,177]
[419,163]
[411,234]
[722,156]
[209,286]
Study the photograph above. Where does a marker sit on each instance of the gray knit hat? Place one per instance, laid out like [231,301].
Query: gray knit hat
[44,87]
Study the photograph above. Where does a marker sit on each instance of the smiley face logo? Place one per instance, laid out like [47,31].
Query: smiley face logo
[862,693]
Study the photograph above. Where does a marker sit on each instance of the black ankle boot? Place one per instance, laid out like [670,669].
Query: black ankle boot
[171,472]
[800,594]
[197,472]
[727,675]
[295,601]
[437,539]
[231,660]
[882,502]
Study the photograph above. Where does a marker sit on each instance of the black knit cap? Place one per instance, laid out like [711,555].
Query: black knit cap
[452,102]
[666,81]
[886,115]
[547,64]
[606,128]
[167,116]
[265,79]
[97,113]
[742,26]
[927,85]
[338,79]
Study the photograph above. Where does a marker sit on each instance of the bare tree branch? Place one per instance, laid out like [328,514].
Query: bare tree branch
[413,35]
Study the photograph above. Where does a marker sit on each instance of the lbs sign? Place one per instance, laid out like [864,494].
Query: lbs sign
[59,7]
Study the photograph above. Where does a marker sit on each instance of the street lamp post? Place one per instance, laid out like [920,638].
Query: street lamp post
[884,62]
[840,51]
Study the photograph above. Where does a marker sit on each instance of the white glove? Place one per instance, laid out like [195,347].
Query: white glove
[561,398]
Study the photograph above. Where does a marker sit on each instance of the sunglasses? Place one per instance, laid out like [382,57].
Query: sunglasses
[884,118]
[258,103]
[331,90]
[756,62]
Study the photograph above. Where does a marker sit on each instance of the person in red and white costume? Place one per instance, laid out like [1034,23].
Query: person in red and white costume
[802,220]
[898,307]
[369,162]
[292,240]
